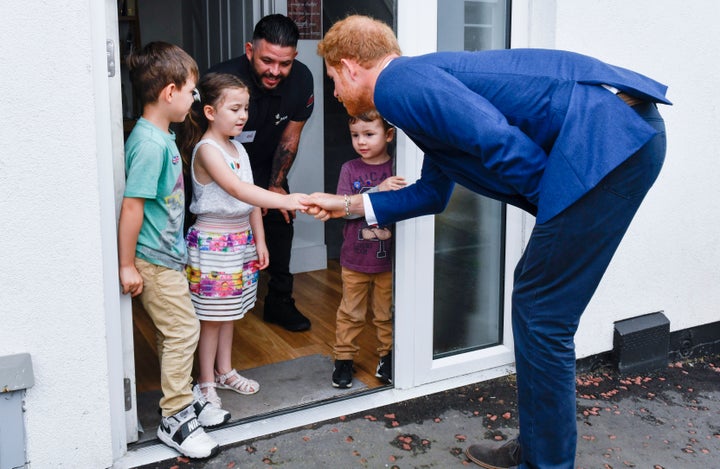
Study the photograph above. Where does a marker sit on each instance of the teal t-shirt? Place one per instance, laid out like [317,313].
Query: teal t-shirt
[153,171]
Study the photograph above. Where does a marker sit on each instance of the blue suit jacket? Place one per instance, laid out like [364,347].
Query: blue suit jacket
[529,127]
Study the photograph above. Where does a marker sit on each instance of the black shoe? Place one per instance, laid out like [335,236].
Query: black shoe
[281,310]
[495,457]
[342,374]
[384,368]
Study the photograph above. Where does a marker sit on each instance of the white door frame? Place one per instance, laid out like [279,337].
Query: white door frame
[414,255]
[111,164]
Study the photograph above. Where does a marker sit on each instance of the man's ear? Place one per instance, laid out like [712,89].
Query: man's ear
[351,66]
[249,50]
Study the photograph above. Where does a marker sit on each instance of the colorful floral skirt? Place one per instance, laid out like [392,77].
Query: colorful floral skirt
[222,270]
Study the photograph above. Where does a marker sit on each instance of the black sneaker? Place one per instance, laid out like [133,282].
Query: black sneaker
[342,374]
[281,310]
[384,369]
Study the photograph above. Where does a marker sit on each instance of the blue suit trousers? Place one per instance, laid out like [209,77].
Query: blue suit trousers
[555,279]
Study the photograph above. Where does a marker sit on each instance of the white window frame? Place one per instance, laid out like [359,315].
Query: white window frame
[414,254]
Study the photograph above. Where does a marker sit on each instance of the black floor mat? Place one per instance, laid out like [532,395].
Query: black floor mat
[283,386]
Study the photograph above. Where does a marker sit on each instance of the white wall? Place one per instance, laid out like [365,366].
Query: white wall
[670,258]
[51,282]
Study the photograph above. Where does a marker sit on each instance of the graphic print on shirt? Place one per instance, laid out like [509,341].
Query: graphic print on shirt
[175,203]
[377,234]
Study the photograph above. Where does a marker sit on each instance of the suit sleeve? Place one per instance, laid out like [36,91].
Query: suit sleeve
[427,102]
[429,194]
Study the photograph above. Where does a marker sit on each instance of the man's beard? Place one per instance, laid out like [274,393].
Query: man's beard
[359,102]
[259,80]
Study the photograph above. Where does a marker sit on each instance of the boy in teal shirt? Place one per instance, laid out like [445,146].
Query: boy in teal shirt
[151,243]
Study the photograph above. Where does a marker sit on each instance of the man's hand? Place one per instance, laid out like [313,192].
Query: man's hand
[326,206]
[287,214]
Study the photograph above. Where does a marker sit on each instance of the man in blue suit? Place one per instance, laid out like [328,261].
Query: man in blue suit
[572,140]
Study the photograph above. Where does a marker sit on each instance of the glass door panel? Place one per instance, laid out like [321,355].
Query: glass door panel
[468,274]
[469,234]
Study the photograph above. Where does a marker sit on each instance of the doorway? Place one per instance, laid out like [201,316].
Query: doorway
[294,369]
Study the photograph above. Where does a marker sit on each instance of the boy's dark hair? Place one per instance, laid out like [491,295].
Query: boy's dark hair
[370,116]
[278,30]
[157,65]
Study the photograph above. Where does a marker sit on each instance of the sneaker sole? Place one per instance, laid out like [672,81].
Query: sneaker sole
[337,385]
[482,463]
[169,441]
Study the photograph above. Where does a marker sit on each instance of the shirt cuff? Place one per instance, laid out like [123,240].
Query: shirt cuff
[369,212]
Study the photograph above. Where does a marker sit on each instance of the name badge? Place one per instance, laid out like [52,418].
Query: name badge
[246,137]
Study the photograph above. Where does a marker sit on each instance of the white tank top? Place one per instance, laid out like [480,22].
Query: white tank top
[210,199]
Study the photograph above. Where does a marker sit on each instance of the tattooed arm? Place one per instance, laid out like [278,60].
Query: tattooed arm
[283,160]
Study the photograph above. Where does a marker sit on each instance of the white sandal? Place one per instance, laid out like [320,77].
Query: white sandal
[234,381]
[208,392]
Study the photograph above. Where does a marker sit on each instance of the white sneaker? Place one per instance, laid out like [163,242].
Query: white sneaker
[184,433]
[208,414]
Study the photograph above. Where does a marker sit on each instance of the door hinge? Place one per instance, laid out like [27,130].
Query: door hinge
[128,395]
[110,50]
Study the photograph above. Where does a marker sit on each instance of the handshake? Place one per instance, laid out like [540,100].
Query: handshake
[325,206]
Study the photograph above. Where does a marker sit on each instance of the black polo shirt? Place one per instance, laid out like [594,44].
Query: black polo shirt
[270,111]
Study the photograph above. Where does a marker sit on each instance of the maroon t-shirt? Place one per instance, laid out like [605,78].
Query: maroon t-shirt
[365,248]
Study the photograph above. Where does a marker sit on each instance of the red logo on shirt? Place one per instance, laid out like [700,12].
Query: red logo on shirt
[310,100]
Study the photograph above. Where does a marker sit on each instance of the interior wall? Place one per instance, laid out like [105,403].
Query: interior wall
[306,175]
[160,21]
[338,147]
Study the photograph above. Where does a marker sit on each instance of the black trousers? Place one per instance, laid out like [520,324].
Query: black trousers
[279,236]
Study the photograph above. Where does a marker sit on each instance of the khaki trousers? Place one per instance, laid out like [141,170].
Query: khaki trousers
[357,288]
[166,298]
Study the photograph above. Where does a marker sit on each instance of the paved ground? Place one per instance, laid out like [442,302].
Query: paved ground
[660,420]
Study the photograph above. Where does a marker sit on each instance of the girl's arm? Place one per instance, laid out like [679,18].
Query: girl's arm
[210,161]
[256,224]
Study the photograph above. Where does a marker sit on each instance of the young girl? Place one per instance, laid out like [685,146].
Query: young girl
[226,244]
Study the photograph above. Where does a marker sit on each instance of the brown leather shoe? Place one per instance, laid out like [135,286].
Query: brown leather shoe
[494,457]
